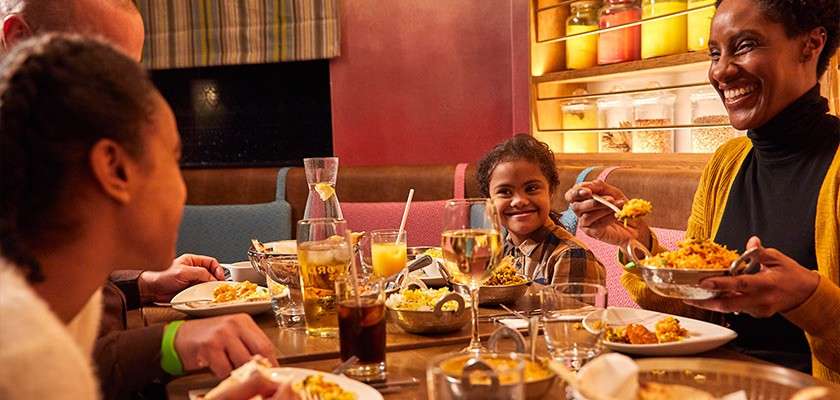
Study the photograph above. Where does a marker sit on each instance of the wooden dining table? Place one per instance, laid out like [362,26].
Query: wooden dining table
[407,354]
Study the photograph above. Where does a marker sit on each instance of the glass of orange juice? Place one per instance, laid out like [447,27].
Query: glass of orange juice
[388,252]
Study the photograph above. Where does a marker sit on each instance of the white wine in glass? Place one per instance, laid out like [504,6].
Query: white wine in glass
[471,243]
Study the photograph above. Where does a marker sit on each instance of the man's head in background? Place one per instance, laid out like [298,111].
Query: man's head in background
[117,21]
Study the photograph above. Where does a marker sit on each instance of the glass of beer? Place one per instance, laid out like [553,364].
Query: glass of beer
[472,246]
[361,327]
[324,256]
[388,252]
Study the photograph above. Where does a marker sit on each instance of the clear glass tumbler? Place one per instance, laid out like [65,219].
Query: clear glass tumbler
[573,321]
[324,254]
[361,327]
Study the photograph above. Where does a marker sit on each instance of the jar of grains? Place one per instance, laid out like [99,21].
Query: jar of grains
[652,110]
[708,109]
[580,114]
[615,112]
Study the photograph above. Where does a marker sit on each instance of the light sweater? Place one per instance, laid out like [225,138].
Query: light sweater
[819,315]
[40,357]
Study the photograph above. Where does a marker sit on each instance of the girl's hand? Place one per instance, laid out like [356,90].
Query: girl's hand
[598,220]
[781,285]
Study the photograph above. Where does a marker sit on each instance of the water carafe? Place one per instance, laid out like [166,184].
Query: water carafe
[321,175]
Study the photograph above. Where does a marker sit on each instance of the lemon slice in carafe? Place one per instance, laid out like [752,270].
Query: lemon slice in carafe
[325,190]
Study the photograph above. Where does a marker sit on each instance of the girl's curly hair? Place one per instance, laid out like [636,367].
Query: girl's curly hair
[59,95]
[520,147]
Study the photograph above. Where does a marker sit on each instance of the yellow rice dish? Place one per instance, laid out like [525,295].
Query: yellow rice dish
[503,367]
[421,300]
[243,291]
[315,387]
[505,274]
[634,208]
[694,254]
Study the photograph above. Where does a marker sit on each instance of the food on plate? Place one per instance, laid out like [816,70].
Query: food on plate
[505,274]
[661,391]
[257,365]
[421,300]
[243,291]
[634,208]
[504,367]
[667,330]
[434,252]
[694,254]
[315,387]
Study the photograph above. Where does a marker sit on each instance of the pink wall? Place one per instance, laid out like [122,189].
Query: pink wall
[428,81]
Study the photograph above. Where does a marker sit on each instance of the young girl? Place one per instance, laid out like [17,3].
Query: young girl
[520,176]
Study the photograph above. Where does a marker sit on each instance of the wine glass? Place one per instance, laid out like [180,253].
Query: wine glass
[471,243]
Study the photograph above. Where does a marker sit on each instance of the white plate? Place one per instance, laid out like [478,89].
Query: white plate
[362,391]
[204,291]
[702,336]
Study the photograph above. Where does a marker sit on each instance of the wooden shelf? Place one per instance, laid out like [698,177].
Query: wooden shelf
[672,63]
[693,161]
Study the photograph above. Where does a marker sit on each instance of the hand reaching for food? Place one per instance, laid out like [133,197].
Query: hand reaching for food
[598,220]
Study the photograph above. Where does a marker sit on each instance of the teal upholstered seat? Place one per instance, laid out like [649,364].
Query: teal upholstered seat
[225,231]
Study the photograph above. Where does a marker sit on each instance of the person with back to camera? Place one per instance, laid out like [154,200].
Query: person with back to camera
[88,147]
[520,176]
[779,187]
[128,360]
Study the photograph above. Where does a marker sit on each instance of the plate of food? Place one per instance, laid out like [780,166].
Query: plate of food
[505,284]
[217,298]
[650,333]
[306,383]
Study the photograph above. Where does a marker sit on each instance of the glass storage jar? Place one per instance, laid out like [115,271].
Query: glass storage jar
[708,109]
[666,36]
[582,52]
[652,110]
[623,44]
[580,114]
[615,112]
[699,25]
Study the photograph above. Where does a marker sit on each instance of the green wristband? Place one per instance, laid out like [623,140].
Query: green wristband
[169,360]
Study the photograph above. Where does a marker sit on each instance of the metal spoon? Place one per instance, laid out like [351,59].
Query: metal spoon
[605,202]
[340,368]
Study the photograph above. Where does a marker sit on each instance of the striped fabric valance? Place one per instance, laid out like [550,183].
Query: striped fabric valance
[198,33]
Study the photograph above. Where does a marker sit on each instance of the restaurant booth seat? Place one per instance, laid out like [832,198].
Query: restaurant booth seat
[373,197]
[224,231]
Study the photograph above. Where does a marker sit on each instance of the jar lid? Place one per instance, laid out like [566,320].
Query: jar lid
[614,102]
[585,3]
[654,98]
[704,93]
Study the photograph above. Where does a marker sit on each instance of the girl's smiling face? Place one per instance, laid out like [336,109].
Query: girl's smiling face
[522,195]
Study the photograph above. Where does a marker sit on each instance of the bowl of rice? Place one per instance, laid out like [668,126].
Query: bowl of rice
[428,311]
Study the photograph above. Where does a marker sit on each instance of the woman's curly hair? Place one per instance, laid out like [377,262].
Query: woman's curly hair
[59,95]
[520,147]
[801,16]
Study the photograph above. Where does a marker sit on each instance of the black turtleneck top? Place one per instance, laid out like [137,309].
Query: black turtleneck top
[774,196]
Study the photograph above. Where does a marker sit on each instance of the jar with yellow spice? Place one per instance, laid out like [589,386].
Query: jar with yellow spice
[582,52]
[580,114]
[699,24]
[665,36]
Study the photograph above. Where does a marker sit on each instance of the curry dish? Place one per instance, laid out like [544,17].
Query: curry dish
[243,291]
[667,330]
[694,254]
[503,367]
[505,274]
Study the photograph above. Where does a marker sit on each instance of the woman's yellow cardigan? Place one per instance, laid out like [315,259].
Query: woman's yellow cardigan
[819,315]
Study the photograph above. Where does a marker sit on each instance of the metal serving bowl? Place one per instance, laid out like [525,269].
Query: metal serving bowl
[534,389]
[684,283]
[722,377]
[436,321]
[282,268]
[503,294]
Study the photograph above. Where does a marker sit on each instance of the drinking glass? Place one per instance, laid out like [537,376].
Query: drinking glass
[324,256]
[471,245]
[282,275]
[361,327]
[573,321]
[388,251]
[473,377]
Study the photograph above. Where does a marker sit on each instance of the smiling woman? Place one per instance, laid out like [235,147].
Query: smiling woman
[779,187]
